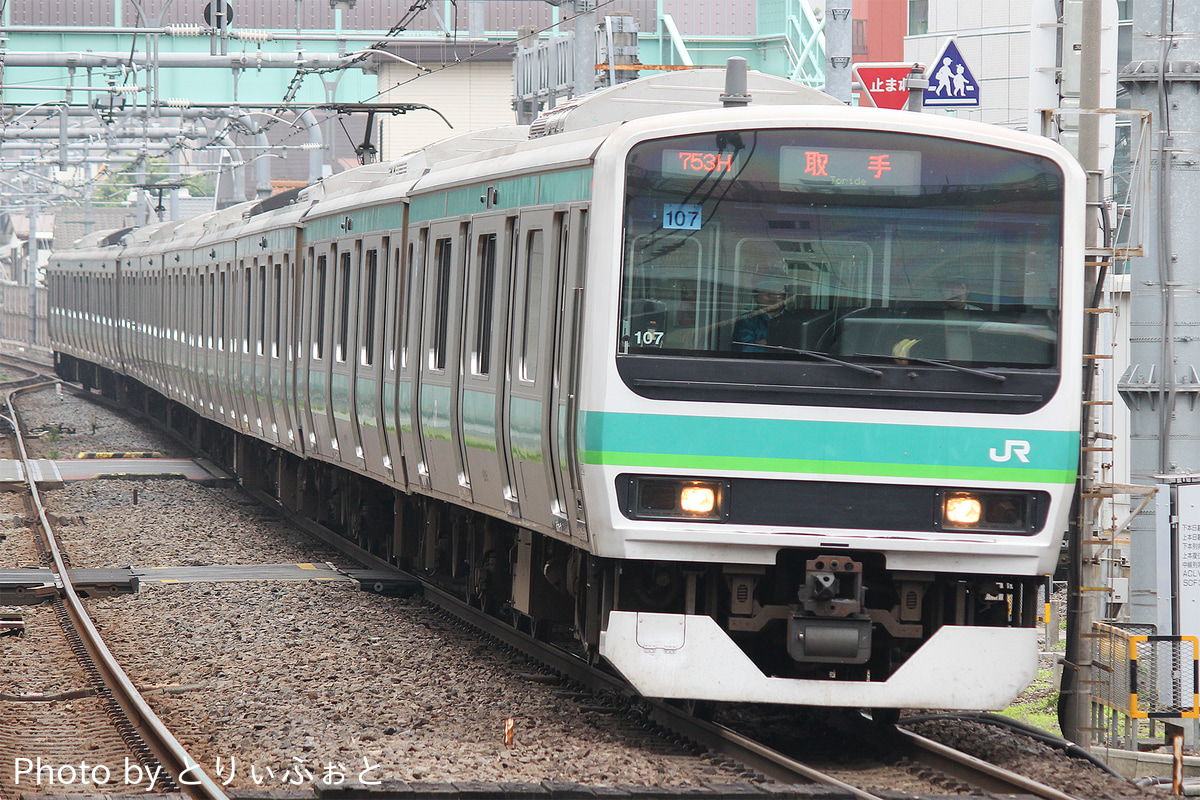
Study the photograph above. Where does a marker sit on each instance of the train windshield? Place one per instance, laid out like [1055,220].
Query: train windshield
[865,247]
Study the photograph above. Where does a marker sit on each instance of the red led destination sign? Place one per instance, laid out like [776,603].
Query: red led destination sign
[843,167]
[696,162]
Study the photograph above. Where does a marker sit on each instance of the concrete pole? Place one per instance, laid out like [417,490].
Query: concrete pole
[1075,718]
[839,48]
[585,47]
[31,281]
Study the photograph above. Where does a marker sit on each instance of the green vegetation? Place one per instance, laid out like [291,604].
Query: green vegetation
[114,187]
[54,455]
[54,434]
[1038,704]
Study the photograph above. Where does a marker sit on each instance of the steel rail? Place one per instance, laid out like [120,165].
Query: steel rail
[754,755]
[974,770]
[188,775]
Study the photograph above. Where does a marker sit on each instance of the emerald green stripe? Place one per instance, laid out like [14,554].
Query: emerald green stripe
[734,464]
[565,186]
[827,447]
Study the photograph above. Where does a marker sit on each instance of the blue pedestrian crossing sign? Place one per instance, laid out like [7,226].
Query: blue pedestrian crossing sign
[951,84]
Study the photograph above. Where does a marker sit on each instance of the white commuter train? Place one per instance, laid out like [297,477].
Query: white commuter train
[768,403]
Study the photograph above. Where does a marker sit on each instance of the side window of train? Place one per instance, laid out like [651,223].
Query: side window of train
[318,320]
[371,296]
[484,293]
[531,328]
[343,295]
[395,277]
[220,323]
[261,347]
[213,330]
[404,299]
[277,283]
[443,259]
[202,309]
[247,306]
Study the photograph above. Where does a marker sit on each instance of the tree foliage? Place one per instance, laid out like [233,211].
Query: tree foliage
[114,187]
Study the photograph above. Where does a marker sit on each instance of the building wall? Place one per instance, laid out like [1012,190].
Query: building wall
[994,39]
[694,17]
[470,95]
[880,28]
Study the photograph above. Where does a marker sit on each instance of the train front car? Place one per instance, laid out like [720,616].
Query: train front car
[829,407]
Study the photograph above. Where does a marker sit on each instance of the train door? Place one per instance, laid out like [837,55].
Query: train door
[189,336]
[530,369]
[277,349]
[222,335]
[179,322]
[176,323]
[243,381]
[111,306]
[341,398]
[175,348]
[370,356]
[319,434]
[261,413]
[396,373]
[155,317]
[211,333]
[191,319]
[408,381]
[114,311]
[571,230]
[482,392]
[125,342]
[266,379]
[290,349]
[440,359]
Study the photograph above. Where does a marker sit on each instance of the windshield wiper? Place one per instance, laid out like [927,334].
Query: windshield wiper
[939,363]
[813,354]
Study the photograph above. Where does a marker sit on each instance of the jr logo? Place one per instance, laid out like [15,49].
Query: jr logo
[1012,447]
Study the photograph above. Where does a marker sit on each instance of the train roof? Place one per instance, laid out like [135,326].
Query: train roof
[669,93]
[102,238]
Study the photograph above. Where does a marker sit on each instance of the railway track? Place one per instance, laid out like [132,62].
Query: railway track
[155,751]
[894,743]
[756,756]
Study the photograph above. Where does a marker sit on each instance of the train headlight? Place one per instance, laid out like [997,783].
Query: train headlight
[698,499]
[670,498]
[1001,512]
[963,509]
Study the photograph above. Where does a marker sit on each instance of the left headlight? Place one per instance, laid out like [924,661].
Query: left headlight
[674,498]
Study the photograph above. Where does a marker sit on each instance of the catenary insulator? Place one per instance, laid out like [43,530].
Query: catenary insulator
[185,30]
[252,35]
[178,102]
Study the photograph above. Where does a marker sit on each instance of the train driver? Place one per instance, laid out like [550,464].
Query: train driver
[754,327]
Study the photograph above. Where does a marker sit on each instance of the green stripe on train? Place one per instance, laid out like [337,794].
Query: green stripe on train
[829,448]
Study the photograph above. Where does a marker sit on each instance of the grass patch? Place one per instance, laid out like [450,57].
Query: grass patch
[1038,704]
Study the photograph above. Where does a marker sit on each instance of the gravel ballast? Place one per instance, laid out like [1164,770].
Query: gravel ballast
[285,676]
[262,680]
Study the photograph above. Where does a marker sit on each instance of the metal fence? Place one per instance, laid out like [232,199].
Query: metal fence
[1140,677]
[16,308]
